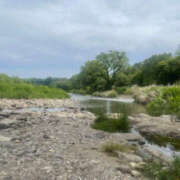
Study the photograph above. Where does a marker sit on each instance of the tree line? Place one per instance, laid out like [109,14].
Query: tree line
[112,70]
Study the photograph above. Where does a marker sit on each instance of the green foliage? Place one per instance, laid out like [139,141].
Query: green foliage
[15,88]
[113,62]
[157,171]
[93,76]
[111,69]
[146,71]
[121,90]
[121,79]
[167,102]
[105,123]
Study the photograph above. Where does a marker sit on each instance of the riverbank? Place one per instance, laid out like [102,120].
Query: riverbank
[53,139]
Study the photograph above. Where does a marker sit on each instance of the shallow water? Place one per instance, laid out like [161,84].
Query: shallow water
[108,105]
[118,105]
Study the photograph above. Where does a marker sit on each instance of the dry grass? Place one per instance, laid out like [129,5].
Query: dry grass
[112,148]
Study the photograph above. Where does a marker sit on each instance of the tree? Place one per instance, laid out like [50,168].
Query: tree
[121,79]
[113,62]
[93,76]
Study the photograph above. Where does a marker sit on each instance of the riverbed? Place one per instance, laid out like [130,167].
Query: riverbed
[53,139]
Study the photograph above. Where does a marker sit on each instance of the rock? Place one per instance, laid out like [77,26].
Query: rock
[130,157]
[4,139]
[124,169]
[135,173]
[135,165]
[7,123]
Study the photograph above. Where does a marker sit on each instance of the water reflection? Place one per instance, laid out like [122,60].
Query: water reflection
[108,105]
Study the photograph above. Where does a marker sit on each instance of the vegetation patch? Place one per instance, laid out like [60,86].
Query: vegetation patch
[120,124]
[14,88]
[157,171]
[163,140]
[167,102]
[112,148]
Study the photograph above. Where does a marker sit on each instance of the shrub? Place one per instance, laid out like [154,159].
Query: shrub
[168,102]
[121,124]
[121,90]
[112,94]
[157,171]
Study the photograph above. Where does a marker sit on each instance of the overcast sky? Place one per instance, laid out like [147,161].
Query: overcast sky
[40,38]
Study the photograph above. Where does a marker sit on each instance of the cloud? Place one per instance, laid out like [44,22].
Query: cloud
[65,34]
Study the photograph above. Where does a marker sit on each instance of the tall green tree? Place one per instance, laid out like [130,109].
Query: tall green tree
[113,62]
[93,76]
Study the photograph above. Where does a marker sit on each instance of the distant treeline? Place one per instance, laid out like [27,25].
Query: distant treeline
[16,88]
[112,70]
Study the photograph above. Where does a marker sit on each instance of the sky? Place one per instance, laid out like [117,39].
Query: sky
[41,38]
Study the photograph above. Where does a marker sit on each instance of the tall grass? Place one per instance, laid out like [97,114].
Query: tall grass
[21,90]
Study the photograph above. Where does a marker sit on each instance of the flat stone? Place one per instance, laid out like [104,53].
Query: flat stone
[130,157]
[4,139]
[135,173]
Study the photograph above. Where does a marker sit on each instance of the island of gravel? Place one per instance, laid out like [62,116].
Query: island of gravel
[60,145]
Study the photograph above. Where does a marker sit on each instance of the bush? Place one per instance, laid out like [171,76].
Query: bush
[121,90]
[112,94]
[121,124]
[168,102]
[157,171]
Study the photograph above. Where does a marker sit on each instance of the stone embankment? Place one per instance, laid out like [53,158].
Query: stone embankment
[59,145]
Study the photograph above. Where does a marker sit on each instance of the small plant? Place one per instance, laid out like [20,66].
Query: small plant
[112,148]
[120,124]
[157,171]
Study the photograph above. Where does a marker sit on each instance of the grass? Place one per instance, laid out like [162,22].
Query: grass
[157,171]
[112,148]
[120,124]
[21,90]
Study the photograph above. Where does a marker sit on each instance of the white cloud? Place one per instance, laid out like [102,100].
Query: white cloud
[71,30]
